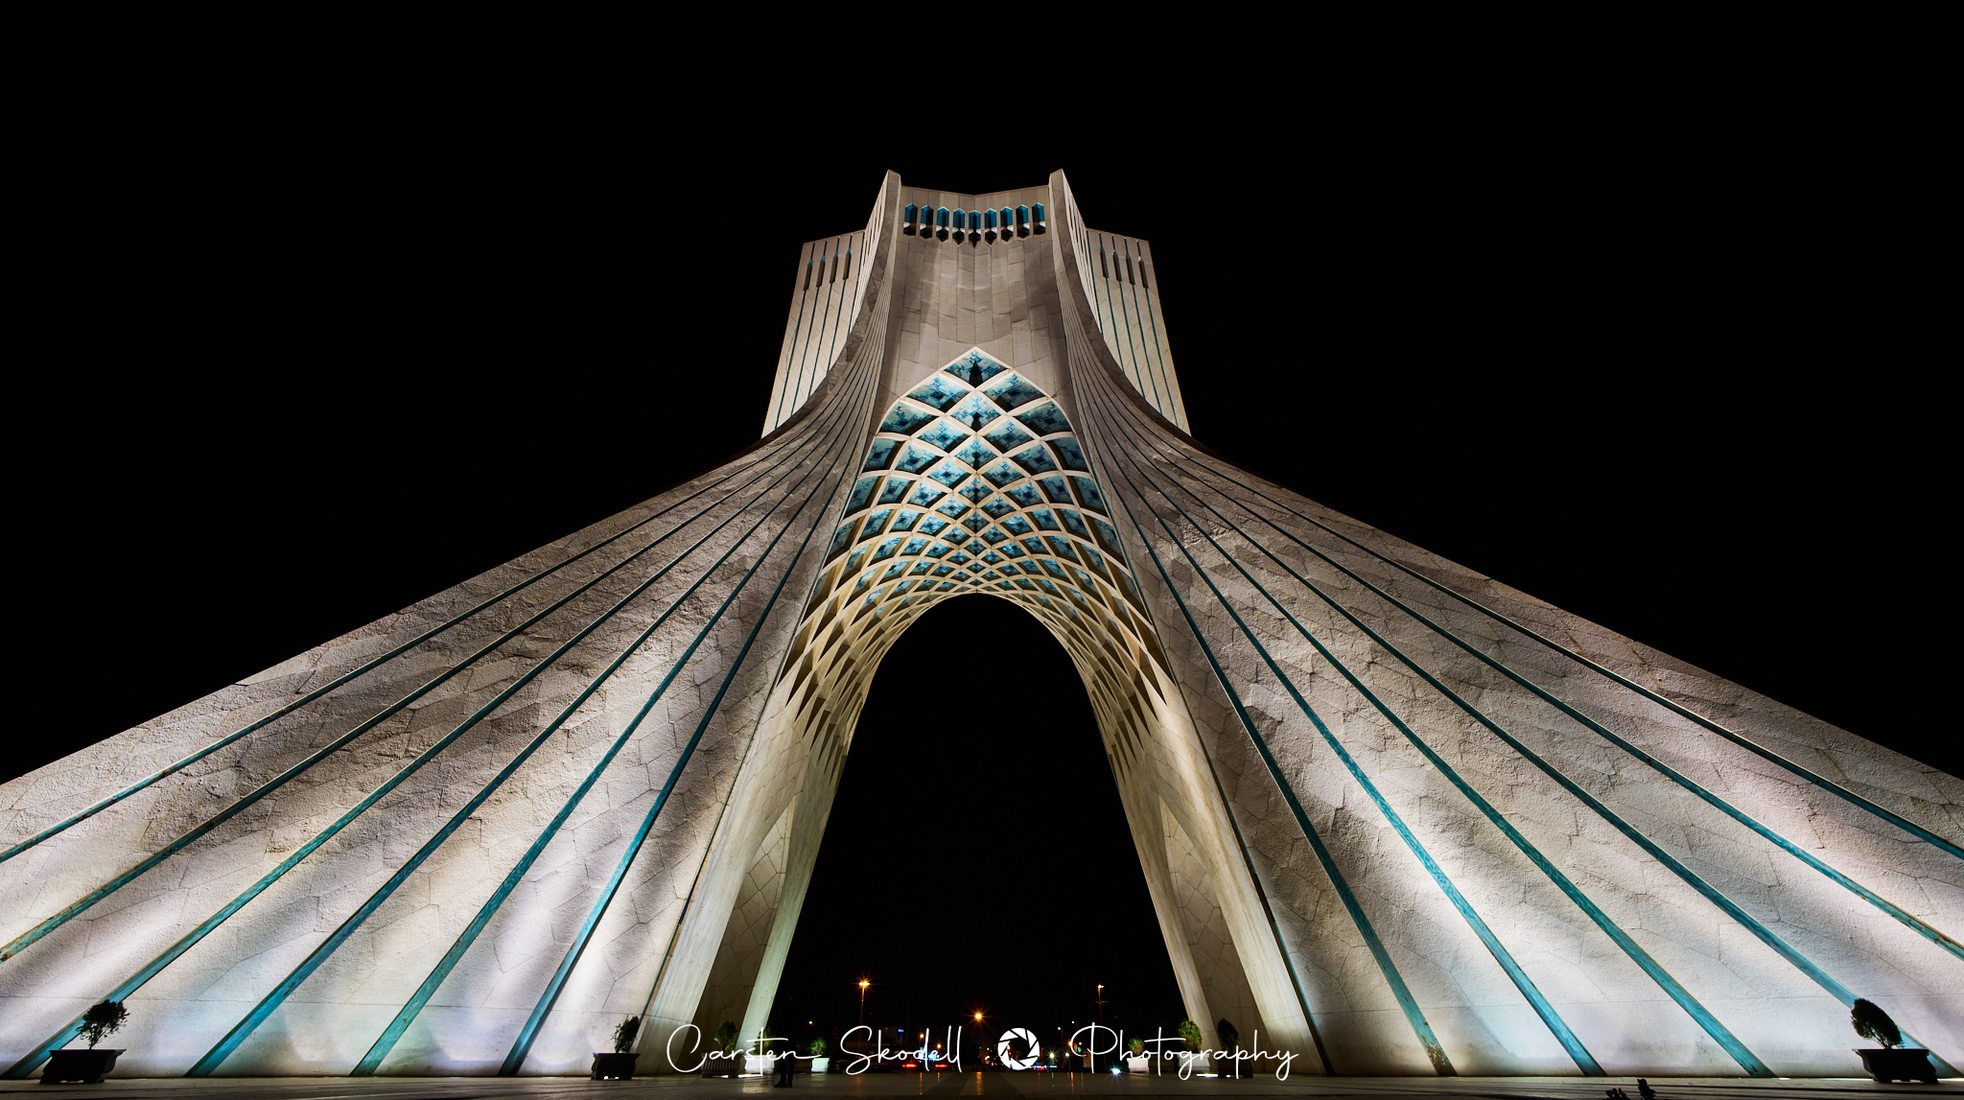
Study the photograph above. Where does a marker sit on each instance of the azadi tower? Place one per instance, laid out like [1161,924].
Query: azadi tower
[1400,817]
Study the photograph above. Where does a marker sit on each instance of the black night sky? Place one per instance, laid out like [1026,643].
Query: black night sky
[1647,320]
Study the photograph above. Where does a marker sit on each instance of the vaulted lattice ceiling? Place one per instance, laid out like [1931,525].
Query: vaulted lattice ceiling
[975,483]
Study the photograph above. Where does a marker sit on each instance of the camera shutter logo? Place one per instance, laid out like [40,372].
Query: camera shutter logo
[1006,1052]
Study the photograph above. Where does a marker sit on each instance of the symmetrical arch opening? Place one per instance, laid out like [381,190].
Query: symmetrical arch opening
[966,814]
[976,482]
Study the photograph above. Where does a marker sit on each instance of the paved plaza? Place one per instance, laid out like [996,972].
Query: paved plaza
[1000,1085]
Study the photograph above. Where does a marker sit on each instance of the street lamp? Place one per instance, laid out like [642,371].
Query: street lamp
[863,983]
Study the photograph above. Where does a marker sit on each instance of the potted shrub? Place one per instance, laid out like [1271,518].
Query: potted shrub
[1230,1037]
[1135,1059]
[820,1063]
[103,1019]
[1886,1063]
[618,1064]
[1196,1057]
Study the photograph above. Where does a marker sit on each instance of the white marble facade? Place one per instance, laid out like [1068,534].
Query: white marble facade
[1398,816]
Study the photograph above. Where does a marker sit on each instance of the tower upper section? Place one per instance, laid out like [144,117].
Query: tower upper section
[975,270]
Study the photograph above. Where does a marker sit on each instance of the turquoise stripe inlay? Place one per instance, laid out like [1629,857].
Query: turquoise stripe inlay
[1141,366]
[1241,845]
[688,899]
[1577,1051]
[239,1032]
[1908,826]
[1760,931]
[1120,340]
[386,1042]
[185,762]
[1152,315]
[1733,736]
[1414,1015]
[1268,914]
[1746,920]
[82,904]
[790,359]
[156,965]
[1118,709]
[824,326]
[529,1032]
[1915,924]
[807,353]
[1685,1000]
[1107,319]
[844,324]
[1165,404]
[272,1000]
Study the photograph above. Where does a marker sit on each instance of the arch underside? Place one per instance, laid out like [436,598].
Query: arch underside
[975,490]
[975,483]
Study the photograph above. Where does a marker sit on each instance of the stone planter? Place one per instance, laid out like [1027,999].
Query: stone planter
[1138,1063]
[821,1064]
[85,1066]
[1898,1064]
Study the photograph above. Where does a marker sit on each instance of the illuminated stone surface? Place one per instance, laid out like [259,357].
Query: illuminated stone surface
[1400,817]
